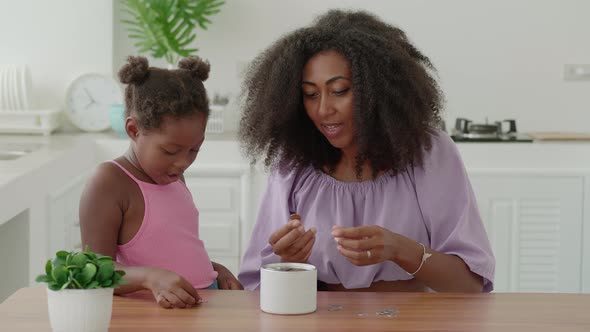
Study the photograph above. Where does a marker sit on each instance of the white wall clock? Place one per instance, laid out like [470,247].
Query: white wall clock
[89,99]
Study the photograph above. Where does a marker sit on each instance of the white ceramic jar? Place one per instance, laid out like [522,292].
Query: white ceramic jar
[288,288]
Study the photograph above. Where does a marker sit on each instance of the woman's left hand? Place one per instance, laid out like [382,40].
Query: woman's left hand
[366,245]
[226,279]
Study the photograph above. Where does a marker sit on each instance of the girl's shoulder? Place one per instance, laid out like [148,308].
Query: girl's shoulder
[108,177]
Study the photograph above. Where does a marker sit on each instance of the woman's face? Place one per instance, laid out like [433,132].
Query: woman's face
[166,152]
[327,97]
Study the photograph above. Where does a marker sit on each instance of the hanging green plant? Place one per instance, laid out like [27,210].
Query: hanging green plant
[166,28]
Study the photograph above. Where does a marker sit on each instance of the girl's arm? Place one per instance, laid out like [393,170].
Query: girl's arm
[226,279]
[102,207]
[101,216]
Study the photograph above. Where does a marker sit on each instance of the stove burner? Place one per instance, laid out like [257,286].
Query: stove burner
[467,131]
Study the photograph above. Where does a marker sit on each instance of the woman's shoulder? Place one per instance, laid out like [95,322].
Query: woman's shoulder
[442,150]
[442,142]
[290,176]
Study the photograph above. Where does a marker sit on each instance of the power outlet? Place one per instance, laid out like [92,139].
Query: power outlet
[576,72]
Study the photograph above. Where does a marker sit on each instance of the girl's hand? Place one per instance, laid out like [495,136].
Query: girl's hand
[226,279]
[292,243]
[366,245]
[171,290]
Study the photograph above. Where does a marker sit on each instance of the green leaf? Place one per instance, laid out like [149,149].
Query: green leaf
[43,278]
[62,254]
[74,268]
[105,272]
[101,258]
[187,41]
[60,274]
[93,284]
[165,28]
[54,286]
[60,258]
[79,260]
[107,283]
[58,261]
[48,267]
[78,285]
[87,274]
[66,284]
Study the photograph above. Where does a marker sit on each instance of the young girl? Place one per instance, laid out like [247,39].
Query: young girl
[137,206]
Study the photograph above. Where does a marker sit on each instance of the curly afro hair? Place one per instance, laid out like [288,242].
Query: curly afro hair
[397,102]
[153,93]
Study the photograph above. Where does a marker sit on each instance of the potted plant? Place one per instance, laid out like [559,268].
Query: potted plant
[165,28]
[80,290]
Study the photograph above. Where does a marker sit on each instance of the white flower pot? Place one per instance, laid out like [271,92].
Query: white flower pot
[80,310]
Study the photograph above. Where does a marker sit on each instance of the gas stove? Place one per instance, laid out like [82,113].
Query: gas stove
[500,131]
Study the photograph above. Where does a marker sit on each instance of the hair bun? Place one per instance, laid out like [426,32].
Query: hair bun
[198,67]
[135,71]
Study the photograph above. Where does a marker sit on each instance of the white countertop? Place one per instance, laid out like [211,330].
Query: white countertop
[61,156]
[223,149]
[545,156]
[54,146]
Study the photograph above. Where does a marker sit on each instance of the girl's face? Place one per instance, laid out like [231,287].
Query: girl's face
[166,152]
[328,99]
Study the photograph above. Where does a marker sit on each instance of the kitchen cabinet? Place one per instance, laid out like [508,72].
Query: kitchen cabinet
[64,222]
[222,200]
[535,226]
[14,250]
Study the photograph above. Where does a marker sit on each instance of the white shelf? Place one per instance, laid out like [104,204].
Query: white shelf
[40,122]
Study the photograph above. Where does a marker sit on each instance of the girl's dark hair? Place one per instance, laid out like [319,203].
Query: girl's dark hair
[153,93]
[396,100]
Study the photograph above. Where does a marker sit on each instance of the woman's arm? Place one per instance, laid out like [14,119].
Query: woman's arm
[441,272]
[368,245]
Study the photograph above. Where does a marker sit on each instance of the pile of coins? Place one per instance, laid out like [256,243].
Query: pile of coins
[387,312]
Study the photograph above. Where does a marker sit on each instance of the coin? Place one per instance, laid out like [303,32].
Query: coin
[334,307]
[388,312]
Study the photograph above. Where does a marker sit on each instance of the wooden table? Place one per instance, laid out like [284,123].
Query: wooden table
[26,310]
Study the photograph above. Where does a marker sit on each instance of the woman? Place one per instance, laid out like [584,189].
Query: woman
[345,112]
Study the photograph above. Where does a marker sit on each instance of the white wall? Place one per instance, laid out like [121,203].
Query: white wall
[497,59]
[500,59]
[59,40]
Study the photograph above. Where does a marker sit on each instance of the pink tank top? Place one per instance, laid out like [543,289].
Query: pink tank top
[168,237]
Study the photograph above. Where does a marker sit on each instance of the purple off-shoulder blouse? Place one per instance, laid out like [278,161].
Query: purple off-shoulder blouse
[433,204]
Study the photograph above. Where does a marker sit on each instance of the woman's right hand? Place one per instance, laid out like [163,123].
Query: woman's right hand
[171,290]
[292,243]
